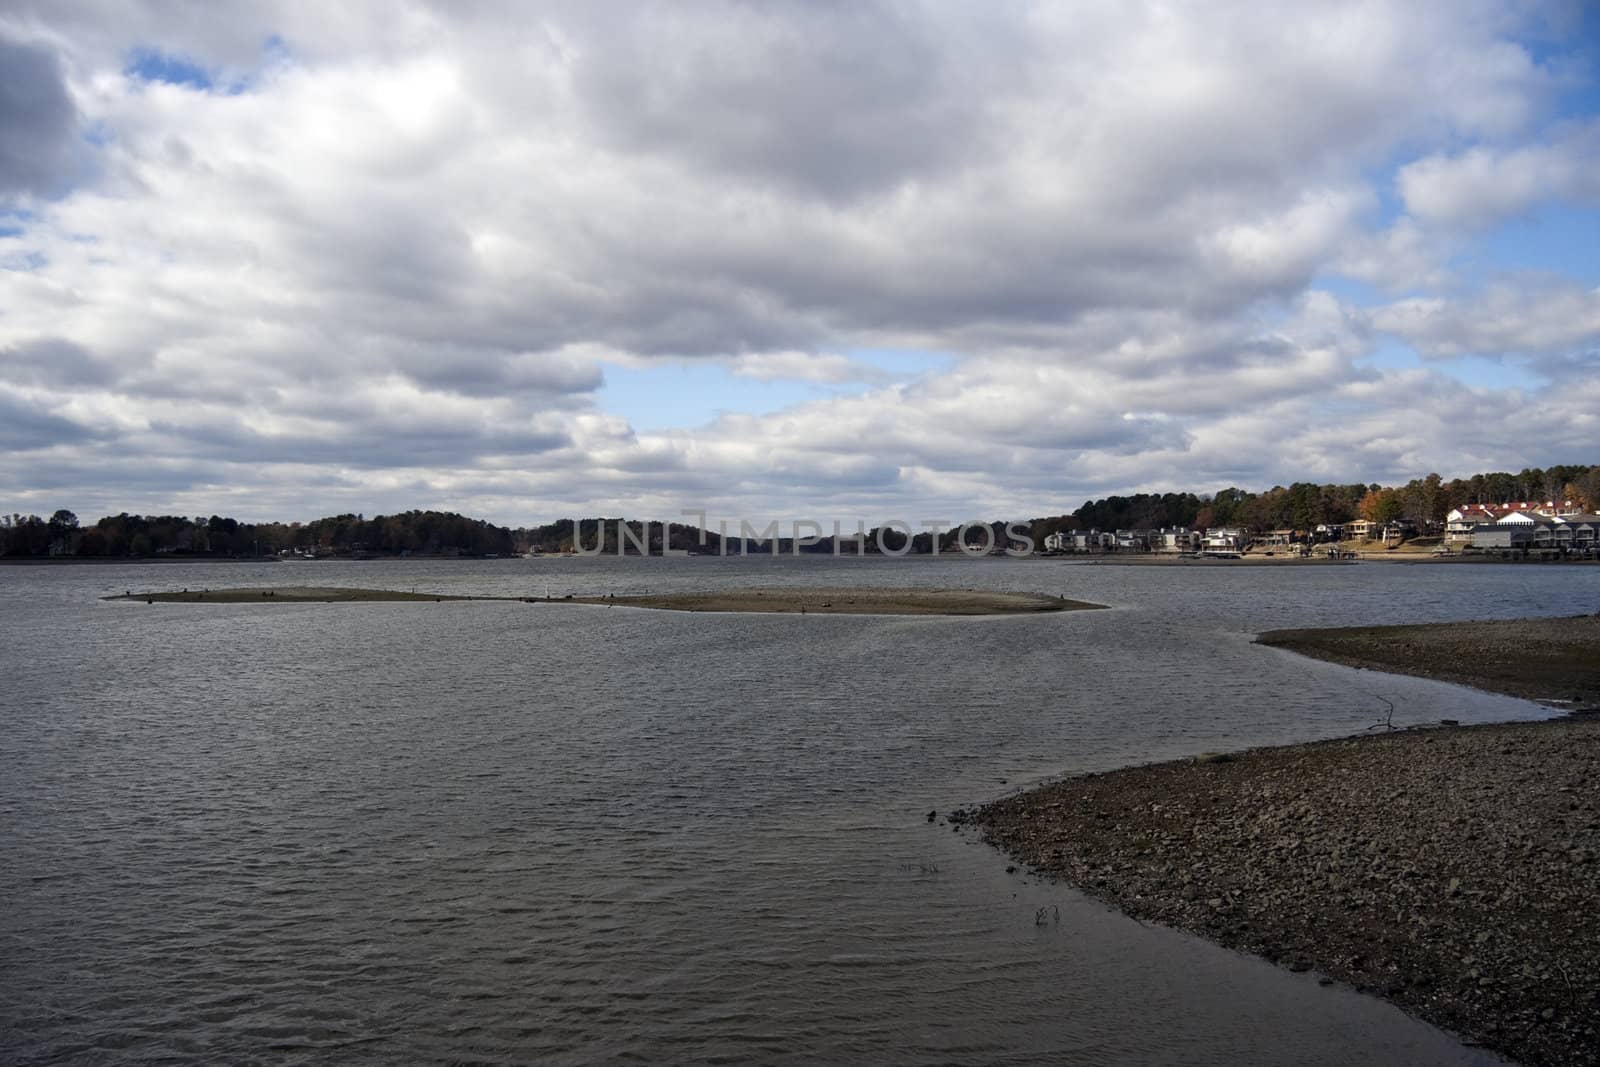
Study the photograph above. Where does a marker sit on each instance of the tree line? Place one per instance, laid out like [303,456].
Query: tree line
[410,533]
[1306,505]
[1301,506]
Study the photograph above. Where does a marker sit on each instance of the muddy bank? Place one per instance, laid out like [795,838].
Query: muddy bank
[780,601]
[1452,871]
[1537,659]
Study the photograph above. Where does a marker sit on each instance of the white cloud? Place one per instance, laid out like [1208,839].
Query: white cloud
[1484,185]
[1536,317]
[795,366]
[1399,257]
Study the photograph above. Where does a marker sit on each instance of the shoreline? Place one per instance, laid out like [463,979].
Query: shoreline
[1552,660]
[1258,560]
[767,601]
[1451,871]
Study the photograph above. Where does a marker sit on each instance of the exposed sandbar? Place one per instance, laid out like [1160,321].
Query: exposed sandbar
[303,594]
[1537,659]
[821,601]
[846,601]
[1452,871]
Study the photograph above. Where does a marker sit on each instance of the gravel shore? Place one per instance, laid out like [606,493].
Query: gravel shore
[1452,871]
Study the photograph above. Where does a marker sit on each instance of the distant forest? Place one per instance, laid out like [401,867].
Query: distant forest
[1301,506]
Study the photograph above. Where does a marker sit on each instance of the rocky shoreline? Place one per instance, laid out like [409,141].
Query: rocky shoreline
[1453,871]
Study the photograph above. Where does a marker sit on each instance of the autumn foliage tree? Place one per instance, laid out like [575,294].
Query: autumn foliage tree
[1382,506]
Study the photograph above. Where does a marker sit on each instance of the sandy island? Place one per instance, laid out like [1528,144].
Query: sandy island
[845,601]
[1453,871]
[304,594]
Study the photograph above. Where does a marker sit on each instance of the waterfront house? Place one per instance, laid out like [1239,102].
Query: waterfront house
[1175,540]
[1080,541]
[1585,532]
[1491,537]
[1459,523]
[1132,541]
[1528,531]
[1398,530]
[1227,539]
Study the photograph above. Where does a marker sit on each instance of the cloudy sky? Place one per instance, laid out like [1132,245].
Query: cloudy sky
[837,260]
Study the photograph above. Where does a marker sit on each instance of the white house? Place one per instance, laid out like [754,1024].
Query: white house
[1174,540]
[1079,541]
[1227,539]
[1132,541]
[1459,523]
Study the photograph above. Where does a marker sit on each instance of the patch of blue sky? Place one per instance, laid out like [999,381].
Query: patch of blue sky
[1385,186]
[1389,354]
[154,65]
[1479,372]
[683,394]
[1349,291]
[1582,101]
[1553,237]
[1573,47]
[14,223]
[902,362]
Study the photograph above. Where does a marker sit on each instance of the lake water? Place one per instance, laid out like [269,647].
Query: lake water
[514,833]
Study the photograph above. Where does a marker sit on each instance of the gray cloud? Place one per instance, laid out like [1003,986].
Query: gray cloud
[38,120]
[52,361]
[830,100]
[27,426]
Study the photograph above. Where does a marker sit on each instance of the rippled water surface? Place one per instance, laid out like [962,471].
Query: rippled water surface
[485,832]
